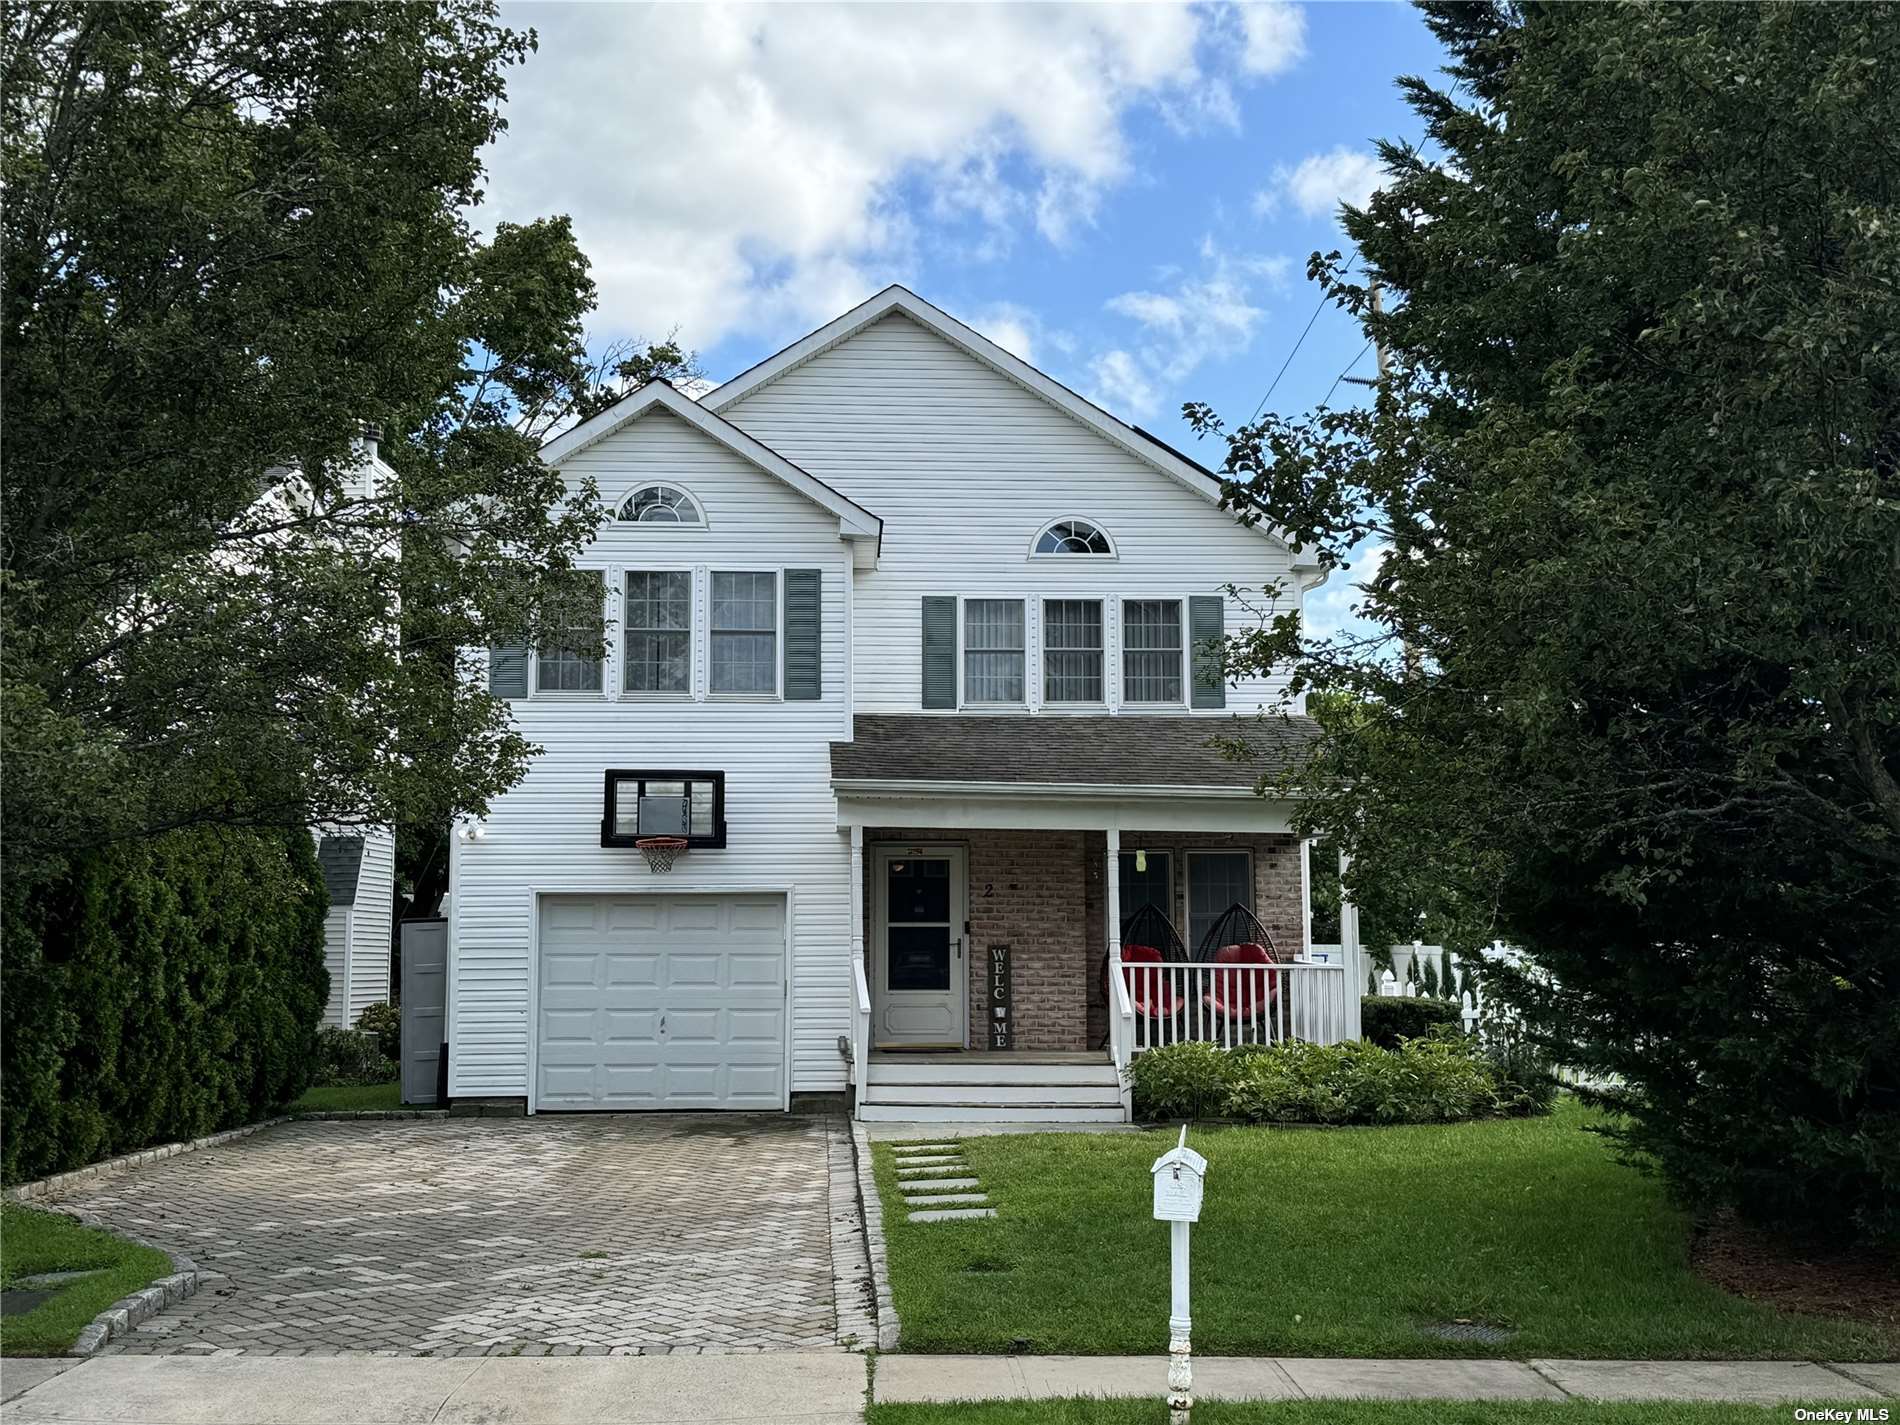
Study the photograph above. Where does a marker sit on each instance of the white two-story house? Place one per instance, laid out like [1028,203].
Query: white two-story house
[915,649]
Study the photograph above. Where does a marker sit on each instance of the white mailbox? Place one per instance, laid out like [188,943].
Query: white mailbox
[1178,1175]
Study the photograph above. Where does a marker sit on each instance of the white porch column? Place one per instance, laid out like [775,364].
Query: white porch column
[860,978]
[1350,950]
[1112,896]
[857,894]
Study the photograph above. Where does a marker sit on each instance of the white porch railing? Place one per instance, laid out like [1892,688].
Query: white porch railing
[1121,1037]
[860,1033]
[1232,1004]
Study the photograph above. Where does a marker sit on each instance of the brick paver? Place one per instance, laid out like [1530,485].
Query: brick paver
[493,1236]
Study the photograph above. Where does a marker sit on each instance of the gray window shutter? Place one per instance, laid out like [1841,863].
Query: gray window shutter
[940,651]
[804,629]
[508,670]
[1207,621]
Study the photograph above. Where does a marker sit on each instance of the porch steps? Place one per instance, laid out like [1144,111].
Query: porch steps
[927,1199]
[990,1088]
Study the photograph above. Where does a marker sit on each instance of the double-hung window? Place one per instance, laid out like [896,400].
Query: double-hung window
[744,633]
[993,649]
[568,657]
[659,616]
[1151,651]
[1072,650]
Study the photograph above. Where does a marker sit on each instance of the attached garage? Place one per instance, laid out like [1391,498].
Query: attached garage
[661,1002]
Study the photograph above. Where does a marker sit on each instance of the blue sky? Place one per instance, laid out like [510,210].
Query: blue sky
[1127,196]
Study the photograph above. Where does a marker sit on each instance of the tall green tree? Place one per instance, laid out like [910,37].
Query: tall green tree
[233,235]
[1633,698]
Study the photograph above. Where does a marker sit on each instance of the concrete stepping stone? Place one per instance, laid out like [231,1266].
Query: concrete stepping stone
[943,1199]
[905,1149]
[938,1185]
[927,1158]
[951,1214]
[949,1165]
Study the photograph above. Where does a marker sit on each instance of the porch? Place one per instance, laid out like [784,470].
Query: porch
[986,917]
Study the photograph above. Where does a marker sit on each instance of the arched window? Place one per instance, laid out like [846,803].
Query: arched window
[1073,536]
[660,504]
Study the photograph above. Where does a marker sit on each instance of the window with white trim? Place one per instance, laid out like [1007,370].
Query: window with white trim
[1152,648]
[993,651]
[660,504]
[659,636]
[1216,881]
[1072,650]
[1073,536]
[568,659]
[744,632]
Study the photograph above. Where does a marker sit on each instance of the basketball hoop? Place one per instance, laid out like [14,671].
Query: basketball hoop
[660,851]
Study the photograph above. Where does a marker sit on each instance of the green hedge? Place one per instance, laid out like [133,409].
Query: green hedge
[156,991]
[1386,1019]
[1422,1081]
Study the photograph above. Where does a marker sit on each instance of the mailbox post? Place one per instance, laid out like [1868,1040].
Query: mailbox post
[1178,1175]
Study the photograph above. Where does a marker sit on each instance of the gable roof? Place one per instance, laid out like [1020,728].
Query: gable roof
[896,299]
[854,521]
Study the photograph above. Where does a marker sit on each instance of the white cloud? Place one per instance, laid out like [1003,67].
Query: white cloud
[1335,606]
[759,167]
[1274,35]
[1208,314]
[1118,384]
[1014,328]
[1322,181]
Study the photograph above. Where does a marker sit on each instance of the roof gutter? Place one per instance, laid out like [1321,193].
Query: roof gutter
[1103,791]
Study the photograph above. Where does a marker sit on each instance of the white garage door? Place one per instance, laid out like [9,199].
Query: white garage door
[657,1001]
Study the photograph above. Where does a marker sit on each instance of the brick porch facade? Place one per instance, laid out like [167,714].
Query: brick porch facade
[1042,894]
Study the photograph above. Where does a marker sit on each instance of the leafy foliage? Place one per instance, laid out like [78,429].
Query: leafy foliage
[1386,1019]
[1438,1080]
[350,1058]
[1633,697]
[232,235]
[157,991]
[382,1021]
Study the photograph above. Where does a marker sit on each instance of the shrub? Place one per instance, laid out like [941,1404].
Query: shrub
[347,1058]
[383,1020]
[1385,1020]
[158,990]
[1430,1080]
[1181,1081]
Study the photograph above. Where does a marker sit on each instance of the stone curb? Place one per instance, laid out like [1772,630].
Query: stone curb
[60,1182]
[888,1327]
[129,1311]
[853,1288]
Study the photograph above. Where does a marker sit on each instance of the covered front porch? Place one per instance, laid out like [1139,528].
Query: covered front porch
[985,919]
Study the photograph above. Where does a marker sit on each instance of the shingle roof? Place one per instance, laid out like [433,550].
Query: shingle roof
[341,859]
[1136,750]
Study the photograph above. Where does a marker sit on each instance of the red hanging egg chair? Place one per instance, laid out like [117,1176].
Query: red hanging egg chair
[1149,938]
[1238,938]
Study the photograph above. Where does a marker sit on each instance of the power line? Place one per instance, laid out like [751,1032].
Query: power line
[1298,344]
[1342,375]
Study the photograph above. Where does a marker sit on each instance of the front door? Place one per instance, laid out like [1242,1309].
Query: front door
[922,987]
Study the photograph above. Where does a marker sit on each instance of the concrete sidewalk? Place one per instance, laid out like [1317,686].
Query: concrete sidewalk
[799,1387]
[825,1388]
[945,1378]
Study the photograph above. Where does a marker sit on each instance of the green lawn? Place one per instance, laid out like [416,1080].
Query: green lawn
[1336,1242]
[32,1242]
[351,1099]
[1327,1412]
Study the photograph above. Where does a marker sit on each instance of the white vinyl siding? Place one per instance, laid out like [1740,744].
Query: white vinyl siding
[744,632]
[542,836]
[966,468]
[1153,666]
[659,620]
[993,651]
[1072,650]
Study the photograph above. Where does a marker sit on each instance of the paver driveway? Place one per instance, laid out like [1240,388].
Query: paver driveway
[546,1235]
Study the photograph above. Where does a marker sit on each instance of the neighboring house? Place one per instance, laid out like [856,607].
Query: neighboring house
[918,645]
[359,873]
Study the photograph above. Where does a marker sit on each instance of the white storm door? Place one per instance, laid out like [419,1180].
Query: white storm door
[921,994]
